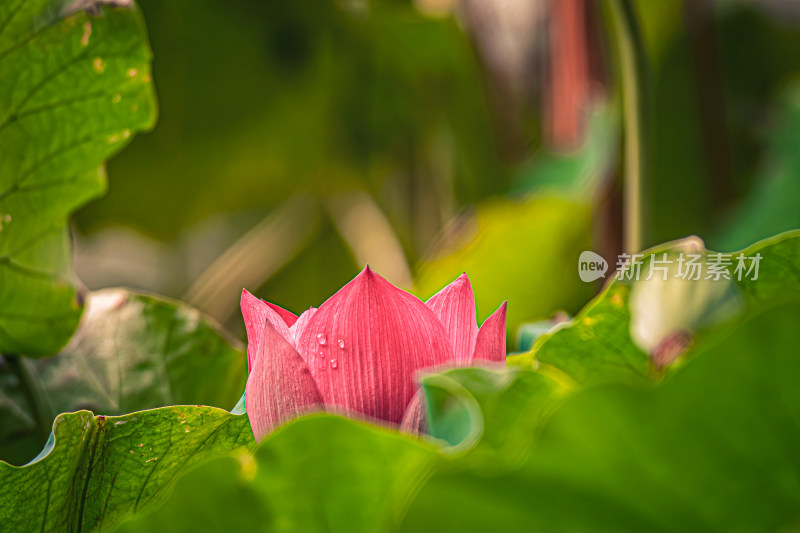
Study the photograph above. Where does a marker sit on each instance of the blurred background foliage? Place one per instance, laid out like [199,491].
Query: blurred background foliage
[299,140]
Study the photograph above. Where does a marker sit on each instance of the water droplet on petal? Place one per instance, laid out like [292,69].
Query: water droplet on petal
[322,339]
[340,342]
[334,363]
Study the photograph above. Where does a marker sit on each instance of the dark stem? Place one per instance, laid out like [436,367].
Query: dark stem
[632,66]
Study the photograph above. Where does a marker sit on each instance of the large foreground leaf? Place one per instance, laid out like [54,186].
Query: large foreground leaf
[711,449]
[318,473]
[97,469]
[131,352]
[74,87]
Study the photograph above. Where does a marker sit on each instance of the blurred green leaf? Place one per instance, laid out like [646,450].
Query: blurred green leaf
[712,449]
[131,352]
[287,103]
[317,473]
[581,172]
[515,250]
[218,496]
[75,87]
[780,268]
[491,413]
[771,206]
[597,346]
[95,470]
[529,333]
[723,70]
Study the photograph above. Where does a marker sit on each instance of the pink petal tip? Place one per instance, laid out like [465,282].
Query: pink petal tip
[365,344]
[454,305]
[491,343]
[254,312]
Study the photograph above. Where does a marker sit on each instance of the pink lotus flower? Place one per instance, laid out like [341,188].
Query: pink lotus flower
[360,351]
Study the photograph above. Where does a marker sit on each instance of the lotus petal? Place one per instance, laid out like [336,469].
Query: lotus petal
[491,343]
[455,307]
[288,317]
[298,327]
[255,311]
[415,419]
[365,344]
[280,385]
